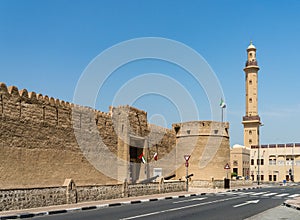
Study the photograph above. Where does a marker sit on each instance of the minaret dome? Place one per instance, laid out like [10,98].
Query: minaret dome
[251,53]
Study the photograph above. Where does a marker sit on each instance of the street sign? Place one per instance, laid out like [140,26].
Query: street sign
[227,167]
[187,157]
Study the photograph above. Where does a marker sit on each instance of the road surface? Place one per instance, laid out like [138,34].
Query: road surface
[229,205]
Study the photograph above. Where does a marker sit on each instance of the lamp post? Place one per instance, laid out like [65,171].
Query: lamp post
[258,165]
[293,162]
[258,155]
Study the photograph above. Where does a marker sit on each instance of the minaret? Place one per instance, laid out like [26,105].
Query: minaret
[251,120]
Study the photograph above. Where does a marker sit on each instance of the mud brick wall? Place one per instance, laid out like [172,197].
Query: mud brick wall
[13,199]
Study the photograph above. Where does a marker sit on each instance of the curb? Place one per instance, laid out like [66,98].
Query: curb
[84,208]
[291,206]
[235,190]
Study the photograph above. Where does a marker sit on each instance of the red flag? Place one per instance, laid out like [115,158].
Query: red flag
[142,157]
[155,156]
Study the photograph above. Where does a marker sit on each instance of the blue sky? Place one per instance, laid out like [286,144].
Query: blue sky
[46,45]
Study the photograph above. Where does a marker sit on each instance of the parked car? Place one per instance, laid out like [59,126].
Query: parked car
[240,178]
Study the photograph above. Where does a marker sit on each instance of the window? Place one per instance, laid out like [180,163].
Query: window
[274,178]
[262,177]
[289,161]
[252,161]
[250,141]
[258,162]
[250,100]
[250,82]
[272,161]
[261,161]
[250,132]
[270,177]
[235,163]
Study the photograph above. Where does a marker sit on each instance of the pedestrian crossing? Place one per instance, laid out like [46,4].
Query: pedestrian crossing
[265,194]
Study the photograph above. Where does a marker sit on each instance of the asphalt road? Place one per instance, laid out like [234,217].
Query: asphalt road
[229,205]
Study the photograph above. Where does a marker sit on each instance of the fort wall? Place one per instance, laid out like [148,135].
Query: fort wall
[38,147]
[44,141]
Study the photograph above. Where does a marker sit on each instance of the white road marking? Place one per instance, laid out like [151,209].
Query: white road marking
[259,193]
[190,200]
[246,203]
[270,194]
[295,195]
[247,193]
[283,194]
[238,192]
[178,208]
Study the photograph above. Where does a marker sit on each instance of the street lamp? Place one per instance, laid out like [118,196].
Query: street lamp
[293,162]
[258,155]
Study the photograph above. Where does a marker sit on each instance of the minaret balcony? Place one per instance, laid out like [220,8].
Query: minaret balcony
[251,63]
[251,118]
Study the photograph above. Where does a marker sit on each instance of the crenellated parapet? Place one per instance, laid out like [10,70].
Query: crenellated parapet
[24,105]
[201,128]
[23,95]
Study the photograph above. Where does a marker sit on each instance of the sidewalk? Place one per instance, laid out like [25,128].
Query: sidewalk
[52,210]
[293,203]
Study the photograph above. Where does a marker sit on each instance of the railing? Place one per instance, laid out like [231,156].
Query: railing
[288,145]
[251,63]
[250,118]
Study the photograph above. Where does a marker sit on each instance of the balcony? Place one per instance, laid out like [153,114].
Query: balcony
[251,118]
[251,63]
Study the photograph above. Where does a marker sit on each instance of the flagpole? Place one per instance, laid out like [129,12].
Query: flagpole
[222,105]
[222,114]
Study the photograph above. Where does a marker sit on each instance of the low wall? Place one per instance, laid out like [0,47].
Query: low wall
[11,199]
[30,198]
[219,183]
[234,183]
[94,193]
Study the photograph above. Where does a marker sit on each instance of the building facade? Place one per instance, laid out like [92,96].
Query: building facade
[275,162]
[240,160]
